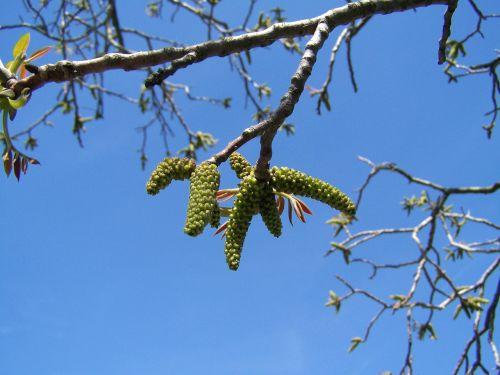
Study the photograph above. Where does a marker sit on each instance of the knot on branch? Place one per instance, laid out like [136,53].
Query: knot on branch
[162,74]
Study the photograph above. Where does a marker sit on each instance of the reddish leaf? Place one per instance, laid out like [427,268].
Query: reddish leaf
[223,227]
[7,162]
[24,164]
[17,166]
[225,195]
[22,72]
[33,161]
[290,213]
[280,202]
[298,210]
[304,206]
[39,53]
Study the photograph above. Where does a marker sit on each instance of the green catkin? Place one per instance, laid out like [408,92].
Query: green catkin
[240,165]
[245,205]
[269,211]
[215,219]
[294,182]
[169,169]
[204,185]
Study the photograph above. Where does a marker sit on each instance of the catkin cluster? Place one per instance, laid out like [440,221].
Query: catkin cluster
[240,165]
[245,206]
[291,181]
[253,197]
[169,169]
[202,202]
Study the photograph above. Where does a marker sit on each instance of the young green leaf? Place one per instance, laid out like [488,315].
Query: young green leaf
[21,45]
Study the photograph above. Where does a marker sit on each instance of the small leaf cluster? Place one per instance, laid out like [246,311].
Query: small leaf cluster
[409,204]
[333,301]
[355,341]
[12,158]
[454,49]
[470,304]
[426,329]
[153,8]
[198,141]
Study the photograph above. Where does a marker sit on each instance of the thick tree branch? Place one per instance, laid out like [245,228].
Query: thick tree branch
[67,70]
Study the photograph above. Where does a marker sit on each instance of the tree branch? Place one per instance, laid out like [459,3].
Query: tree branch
[67,70]
[288,101]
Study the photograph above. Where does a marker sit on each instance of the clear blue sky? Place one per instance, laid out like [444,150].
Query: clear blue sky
[98,278]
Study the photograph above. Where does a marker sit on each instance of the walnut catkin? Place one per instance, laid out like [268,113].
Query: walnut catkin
[202,198]
[269,211]
[288,180]
[169,169]
[240,165]
[244,208]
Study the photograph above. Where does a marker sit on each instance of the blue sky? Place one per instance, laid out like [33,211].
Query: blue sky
[97,278]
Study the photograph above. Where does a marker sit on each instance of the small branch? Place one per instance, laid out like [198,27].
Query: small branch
[323,92]
[113,14]
[41,120]
[451,190]
[408,364]
[162,74]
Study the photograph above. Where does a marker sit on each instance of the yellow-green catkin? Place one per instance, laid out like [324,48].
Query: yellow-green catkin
[169,169]
[240,165]
[291,181]
[215,219]
[204,185]
[269,211]
[245,206]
